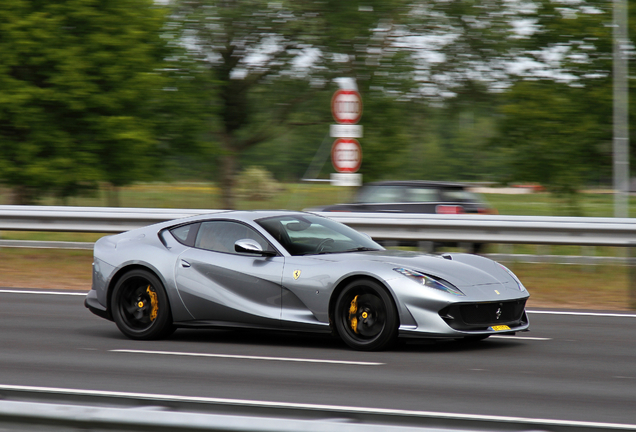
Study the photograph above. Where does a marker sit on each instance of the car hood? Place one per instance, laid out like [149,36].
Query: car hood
[461,270]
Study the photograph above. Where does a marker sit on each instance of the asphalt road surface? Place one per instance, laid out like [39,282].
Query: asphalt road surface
[569,367]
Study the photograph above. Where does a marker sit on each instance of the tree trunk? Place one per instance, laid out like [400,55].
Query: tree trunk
[228,175]
[112,196]
[22,195]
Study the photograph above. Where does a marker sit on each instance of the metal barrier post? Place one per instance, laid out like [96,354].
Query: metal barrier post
[631,262]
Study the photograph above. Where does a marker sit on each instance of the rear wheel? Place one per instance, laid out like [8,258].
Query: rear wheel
[365,316]
[140,306]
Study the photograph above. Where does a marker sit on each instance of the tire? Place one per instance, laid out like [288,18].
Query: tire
[140,306]
[365,316]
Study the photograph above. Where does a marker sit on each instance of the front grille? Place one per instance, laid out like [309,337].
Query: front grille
[480,316]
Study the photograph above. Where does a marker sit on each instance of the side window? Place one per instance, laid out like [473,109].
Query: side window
[381,195]
[220,236]
[422,195]
[460,195]
[186,233]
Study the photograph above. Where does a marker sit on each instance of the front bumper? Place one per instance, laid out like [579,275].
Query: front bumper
[95,306]
[482,316]
[472,317]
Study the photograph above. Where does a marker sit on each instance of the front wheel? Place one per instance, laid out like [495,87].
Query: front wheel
[365,316]
[140,306]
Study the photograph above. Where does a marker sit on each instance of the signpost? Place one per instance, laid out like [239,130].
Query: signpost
[346,152]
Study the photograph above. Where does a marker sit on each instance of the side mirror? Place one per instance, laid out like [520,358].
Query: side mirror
[251,247]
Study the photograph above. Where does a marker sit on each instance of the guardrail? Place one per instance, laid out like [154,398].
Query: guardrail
[27,416]
[75,409]
[380,226]
[493,229]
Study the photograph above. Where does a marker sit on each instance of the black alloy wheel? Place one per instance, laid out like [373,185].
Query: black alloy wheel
[140,306]
[365,316]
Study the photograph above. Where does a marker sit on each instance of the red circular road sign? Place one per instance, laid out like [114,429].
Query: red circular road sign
[346,106]
[346,155]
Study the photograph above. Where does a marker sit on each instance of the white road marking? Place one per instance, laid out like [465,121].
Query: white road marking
[600,314]
[521,338]
[247,357]
[333,408]
[9,291]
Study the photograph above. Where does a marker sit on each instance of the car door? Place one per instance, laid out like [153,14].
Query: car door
[219,285]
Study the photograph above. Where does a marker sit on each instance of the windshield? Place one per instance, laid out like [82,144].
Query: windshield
[310,235]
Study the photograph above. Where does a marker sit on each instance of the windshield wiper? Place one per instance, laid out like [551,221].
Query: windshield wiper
[358,249]
[361,249]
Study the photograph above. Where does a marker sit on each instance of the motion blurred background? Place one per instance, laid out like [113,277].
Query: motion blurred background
[100,95]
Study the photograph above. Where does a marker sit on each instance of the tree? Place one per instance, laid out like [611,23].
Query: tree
[556,125]
[273,60]
[77,80]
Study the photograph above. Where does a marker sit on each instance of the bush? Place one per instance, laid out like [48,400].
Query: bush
[255,183]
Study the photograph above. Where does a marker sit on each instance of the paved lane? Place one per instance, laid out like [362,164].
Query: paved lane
[568,367]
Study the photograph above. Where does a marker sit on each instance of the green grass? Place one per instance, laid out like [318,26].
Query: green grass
[298,196]
[206,196]
[603,287]
[544,204]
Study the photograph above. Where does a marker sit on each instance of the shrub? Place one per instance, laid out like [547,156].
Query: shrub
[255,183]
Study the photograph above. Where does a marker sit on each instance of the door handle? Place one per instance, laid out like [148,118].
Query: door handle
[185,264]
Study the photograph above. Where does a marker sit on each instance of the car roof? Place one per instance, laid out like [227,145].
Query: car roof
[240,215]
[416,183]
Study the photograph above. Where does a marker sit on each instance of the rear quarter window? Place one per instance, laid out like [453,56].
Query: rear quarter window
[185,233]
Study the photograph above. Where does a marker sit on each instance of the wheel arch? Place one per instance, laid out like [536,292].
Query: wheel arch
[118,275]
[346,281]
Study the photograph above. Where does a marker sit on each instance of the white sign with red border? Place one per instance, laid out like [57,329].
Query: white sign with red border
[346,155]
[346,106]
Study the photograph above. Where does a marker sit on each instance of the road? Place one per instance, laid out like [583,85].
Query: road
[569,367]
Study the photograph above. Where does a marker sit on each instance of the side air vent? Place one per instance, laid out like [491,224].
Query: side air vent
[448,257]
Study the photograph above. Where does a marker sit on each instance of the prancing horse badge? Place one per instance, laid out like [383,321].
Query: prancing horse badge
[296,274]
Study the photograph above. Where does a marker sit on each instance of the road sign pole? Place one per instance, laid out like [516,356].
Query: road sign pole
[621,128]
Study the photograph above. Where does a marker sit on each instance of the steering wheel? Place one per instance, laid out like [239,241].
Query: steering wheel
[323,243]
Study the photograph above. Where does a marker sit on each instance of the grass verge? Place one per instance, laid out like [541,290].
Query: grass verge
[45,268]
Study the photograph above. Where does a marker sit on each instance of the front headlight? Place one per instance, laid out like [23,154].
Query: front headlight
[513,276]
[430,281]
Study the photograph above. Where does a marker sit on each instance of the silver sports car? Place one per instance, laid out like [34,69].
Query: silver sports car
[296,271]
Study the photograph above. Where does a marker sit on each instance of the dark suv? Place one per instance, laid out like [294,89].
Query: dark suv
[413,197]
[416,197]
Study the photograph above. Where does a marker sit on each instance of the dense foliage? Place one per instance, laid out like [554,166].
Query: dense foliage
[114,92]
[78,79]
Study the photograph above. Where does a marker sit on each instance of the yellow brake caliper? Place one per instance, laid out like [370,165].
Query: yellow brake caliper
[353,311]
[154,304]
